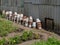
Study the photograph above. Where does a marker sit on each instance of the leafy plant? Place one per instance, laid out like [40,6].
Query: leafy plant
[25,36]
[3,41]
[30,35]
[53,41]
[36,36]
[14,40]
[50,41]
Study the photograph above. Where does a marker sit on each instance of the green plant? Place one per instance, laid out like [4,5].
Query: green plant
[4,33]
[36,36]
[24,37]
[14,40]
[18,39]
[53,41]
[30,35]
[2,16]
[6,27]
[11,41]
[50,41]
[3,41]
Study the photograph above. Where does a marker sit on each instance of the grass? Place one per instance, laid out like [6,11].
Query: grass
[50,41]
[2,16]
[6,27]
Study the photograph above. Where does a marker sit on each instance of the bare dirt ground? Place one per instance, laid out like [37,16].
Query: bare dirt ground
[29,42]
